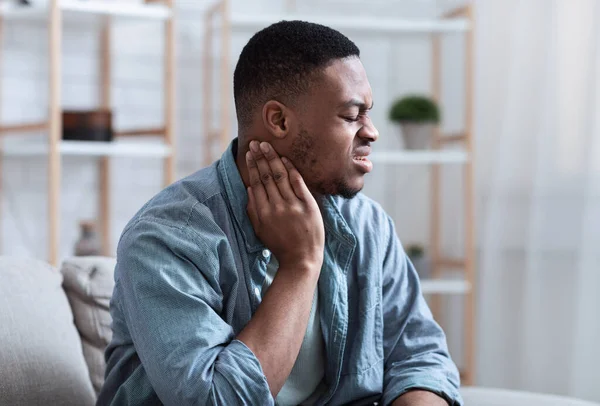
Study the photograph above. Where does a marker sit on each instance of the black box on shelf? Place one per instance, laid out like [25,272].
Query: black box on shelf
[92,125]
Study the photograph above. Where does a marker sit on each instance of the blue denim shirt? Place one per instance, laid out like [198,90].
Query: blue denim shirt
[189,269]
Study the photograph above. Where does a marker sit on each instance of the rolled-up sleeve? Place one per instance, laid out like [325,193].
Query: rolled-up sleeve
[415,349]
[171,298]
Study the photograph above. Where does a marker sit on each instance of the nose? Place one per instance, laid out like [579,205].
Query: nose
[368,131]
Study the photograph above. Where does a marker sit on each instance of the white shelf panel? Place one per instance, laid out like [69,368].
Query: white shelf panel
[91,7]
[90,149]
[419,157]
[362,24]
[450,287]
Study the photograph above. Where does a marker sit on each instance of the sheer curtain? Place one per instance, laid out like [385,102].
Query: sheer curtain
[538,162]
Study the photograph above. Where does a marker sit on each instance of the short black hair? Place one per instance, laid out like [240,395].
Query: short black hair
[278,62]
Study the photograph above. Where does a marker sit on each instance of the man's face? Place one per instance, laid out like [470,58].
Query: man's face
[333,132]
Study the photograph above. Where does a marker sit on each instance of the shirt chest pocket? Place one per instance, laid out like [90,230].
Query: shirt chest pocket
[364,344]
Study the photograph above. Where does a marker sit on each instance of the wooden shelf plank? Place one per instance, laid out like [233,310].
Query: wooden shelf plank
[420,157]
[92,7]
[456,137]
[362,24]
[90,149]
[141,132]
[24,128]
[441,286]
[451,263]
[118,9]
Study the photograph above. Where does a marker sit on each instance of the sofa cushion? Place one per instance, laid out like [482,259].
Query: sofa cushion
[41,359]
[89,283]
[480,396]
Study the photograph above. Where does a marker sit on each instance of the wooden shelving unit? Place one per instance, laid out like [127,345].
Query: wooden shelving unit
[460,21]
[13,139]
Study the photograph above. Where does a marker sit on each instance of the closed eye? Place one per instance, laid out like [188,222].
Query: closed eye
[354,119]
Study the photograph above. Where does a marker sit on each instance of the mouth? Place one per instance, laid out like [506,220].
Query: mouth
[363,163]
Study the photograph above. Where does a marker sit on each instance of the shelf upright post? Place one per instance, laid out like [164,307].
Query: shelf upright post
[225,79]
[468,371]
[104,162]
[469,197]
[435,185]
[55,126]
[169,101]
[1,137]
[207,92]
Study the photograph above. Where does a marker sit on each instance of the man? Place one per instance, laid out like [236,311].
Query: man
[267,277]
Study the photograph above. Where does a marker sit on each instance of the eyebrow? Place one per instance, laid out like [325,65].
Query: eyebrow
[356,103]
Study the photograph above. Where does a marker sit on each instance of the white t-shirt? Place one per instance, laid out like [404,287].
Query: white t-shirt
[303,386]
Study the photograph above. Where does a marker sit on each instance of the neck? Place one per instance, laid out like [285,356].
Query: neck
[240,160]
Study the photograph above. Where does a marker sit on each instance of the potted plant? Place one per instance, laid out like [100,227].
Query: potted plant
[417,116]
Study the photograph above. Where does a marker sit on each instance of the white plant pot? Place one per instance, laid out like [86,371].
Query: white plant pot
[417,135]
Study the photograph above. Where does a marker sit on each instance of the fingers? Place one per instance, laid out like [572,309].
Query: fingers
[266,176]
[252,212]
[279,171]
[300,188]
[258,190]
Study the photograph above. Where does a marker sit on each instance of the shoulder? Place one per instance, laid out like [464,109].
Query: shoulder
[174,240]
[176,205]
[180,217]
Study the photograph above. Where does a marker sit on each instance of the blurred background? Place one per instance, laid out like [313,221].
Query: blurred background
[498,206]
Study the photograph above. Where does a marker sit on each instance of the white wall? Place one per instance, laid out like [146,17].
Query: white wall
[395,64]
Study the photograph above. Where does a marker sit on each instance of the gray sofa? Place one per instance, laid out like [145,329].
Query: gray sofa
[55,324]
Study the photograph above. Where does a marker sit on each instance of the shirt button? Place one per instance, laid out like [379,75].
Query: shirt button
[266,253]
[256,291]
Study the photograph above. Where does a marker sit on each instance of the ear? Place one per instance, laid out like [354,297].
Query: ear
[276,118]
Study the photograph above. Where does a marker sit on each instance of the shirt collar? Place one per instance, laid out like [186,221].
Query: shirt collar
[237,196]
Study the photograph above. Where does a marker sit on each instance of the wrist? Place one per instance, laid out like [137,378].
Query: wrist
[307,261]
[303,266]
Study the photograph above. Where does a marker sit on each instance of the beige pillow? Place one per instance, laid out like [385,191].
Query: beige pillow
[89,283]
[41,359]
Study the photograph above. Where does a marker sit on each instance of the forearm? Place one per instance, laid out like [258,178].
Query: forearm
[419,398]
[275,332]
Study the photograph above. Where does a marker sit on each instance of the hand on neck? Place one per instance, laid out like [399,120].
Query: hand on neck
[243,146]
